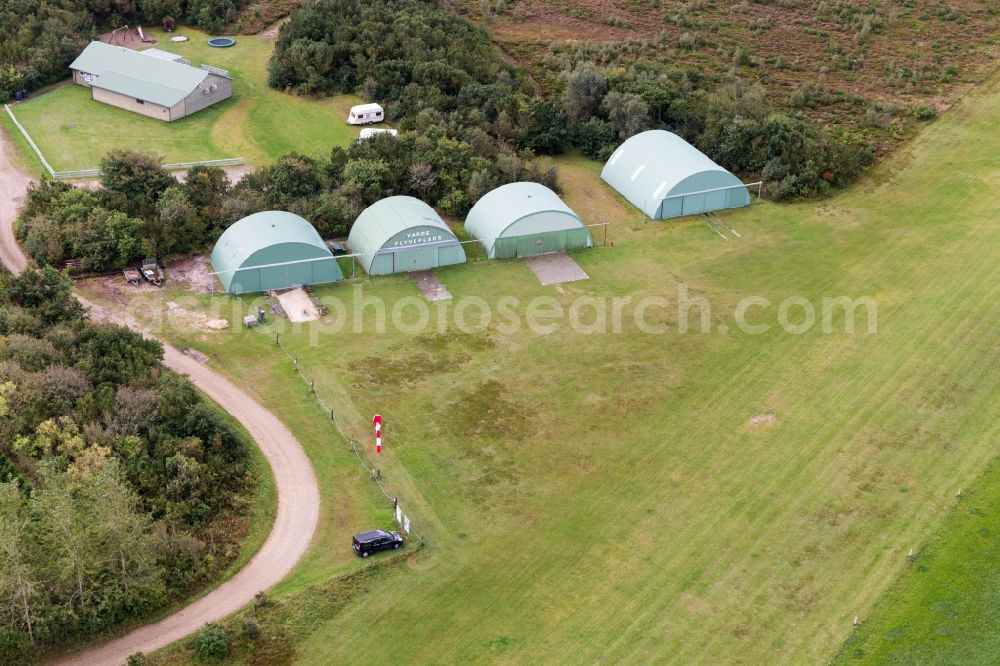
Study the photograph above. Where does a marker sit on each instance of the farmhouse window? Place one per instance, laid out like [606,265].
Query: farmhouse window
[139,101]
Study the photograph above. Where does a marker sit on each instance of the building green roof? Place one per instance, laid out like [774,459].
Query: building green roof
[395,224]
[656,165]
[269,239]
[138,75]
[519,209]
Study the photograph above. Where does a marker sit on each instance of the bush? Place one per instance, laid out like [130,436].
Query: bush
[596,138]
[251,629]
[924,112]
[211,643]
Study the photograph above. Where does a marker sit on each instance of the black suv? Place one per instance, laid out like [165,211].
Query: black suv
[373,541]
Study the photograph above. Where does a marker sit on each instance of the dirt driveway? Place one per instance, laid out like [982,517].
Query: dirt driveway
[297,490]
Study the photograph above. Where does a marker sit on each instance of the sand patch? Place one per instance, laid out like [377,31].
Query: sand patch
[298,306]
[762,420]
[196,272]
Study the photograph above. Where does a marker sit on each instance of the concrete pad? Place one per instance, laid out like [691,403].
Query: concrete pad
[430,286]
[555,268]
[297,305]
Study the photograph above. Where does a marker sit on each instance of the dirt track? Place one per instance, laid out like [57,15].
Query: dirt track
[298,492]
[13,185]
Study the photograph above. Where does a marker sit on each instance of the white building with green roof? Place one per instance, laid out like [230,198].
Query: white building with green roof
[149,84]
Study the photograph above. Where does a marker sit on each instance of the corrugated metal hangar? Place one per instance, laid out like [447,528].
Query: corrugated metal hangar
[400,234]
[524,219]
[665,176]
[272,250]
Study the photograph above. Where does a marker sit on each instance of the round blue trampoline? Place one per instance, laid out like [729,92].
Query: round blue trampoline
[221,42]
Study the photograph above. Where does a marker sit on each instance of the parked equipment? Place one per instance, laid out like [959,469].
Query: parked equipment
[252,320]
[132,276]
[152,272]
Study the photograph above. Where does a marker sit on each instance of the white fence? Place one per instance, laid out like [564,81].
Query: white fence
[94,172]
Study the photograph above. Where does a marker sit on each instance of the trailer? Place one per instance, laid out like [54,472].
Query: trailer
[152,272]
[365,114]
[132,276]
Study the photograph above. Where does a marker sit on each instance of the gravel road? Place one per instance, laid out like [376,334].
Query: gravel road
[297,490]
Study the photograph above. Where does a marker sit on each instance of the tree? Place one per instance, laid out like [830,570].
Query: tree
[5,388]
[19,586]
[585,88]
[595,137]
[47,293]
[205,187]
[628,113]
[117,355]
[125,538]
[548,127]
[134,181]
[367,178]
[66,527]
[177,227]
[108,240]
[421,178]
[292,177]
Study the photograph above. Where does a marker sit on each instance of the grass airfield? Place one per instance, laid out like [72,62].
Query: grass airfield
[627,497]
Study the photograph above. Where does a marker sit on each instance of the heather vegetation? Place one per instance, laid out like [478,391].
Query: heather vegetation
[432,68]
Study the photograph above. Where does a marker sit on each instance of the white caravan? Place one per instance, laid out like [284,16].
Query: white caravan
[364,114]
[369,132]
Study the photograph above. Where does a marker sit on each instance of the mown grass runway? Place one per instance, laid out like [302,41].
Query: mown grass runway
[630,497]
[258,123]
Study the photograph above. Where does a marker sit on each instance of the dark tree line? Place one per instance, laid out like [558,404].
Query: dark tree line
[118,483]
[40,38]
[139,210]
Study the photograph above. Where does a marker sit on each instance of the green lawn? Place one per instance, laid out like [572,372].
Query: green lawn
[946,608]
[258,123]
[613,497]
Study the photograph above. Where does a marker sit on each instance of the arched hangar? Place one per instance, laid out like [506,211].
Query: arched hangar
[272,250]
[665,176]
[400,234]
[524,219]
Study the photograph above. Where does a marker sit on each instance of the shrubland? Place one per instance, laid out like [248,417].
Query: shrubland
[429,67]
[121,489]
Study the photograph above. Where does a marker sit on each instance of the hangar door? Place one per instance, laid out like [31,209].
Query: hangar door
[417,259]
[541,243]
